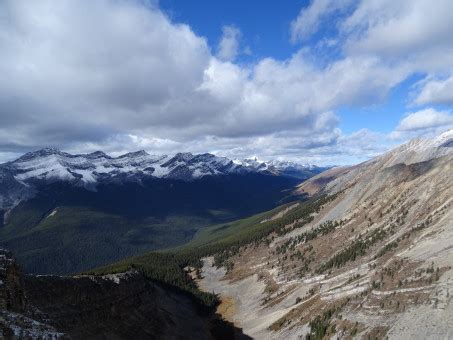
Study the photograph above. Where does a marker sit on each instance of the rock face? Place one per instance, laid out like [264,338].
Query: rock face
[11,192]
[115,306]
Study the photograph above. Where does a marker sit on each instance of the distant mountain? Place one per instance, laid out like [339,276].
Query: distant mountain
[17,178]
[282,168]
[62,213]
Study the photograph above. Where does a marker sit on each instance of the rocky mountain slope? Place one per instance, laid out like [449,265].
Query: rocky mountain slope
[373,260]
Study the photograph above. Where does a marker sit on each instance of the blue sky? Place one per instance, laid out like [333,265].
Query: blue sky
[265,31]
[382,116]
[316,81]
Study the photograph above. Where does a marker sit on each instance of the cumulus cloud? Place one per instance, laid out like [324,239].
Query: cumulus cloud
[415,32]
[228,48]
[425,120]
[106,66]
[119,67]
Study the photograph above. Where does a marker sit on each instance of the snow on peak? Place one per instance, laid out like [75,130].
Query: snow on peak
[40,153]
[97,154]
[141,153]
[289,164]
[444,139]
[88,169]
[253,163]
[275,164]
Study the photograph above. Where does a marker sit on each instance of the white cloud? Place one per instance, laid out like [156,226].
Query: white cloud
[311,17]
[411,35]
[436,92]
[414,32]
[110,65]
[229,43]
[425,120]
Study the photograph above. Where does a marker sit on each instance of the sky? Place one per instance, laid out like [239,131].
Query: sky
[328,82]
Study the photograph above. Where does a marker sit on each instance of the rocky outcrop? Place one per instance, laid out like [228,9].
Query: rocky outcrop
[12,295]
[14,323]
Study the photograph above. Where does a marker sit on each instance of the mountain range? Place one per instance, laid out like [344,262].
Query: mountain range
[62,213]
[17,178]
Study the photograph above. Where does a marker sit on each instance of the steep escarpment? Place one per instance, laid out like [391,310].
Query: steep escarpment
[373,261]
[116,306]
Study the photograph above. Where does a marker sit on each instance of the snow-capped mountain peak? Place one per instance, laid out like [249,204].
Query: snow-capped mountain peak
[97,154]
[19,177]
[135,154]
[286,168]
[53,164]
